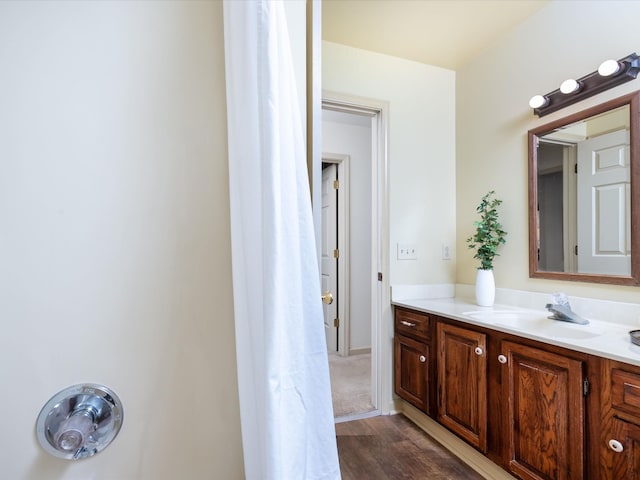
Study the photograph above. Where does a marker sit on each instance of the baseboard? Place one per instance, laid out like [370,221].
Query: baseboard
[357,416]
[359,351]
[459,448]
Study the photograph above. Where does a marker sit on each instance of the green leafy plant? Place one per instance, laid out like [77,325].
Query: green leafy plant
[489,233]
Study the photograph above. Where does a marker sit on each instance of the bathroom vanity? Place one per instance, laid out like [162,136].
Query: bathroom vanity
[541,398]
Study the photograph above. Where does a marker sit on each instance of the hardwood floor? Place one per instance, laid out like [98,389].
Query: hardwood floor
[391,447]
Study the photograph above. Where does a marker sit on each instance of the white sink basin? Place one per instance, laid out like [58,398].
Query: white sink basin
[535,322]
[508,318]
[571,331]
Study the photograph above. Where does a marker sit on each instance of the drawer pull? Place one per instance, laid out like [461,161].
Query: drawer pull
[479,351]
[423,358]
[407,324]
[616,446]
[502,359]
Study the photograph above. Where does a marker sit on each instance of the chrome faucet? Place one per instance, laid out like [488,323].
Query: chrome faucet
[561,310]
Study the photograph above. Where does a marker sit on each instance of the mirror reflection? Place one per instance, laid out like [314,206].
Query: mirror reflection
[581,196]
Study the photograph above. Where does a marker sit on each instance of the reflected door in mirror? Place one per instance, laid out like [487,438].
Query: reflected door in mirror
[604,204]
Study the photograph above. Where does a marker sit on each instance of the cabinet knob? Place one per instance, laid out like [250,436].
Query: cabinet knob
[616,446]
[407,324]
[502,359]
[423,358]
[479,351]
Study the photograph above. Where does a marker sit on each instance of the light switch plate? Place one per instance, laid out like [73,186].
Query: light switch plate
[407,251]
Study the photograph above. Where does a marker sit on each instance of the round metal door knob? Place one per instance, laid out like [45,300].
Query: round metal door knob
[502,359]
[327,297]
[423,358]
[79,421]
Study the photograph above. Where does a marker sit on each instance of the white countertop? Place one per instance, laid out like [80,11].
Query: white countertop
[602,338]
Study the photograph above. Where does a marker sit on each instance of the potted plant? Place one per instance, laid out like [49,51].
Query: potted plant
[485,241]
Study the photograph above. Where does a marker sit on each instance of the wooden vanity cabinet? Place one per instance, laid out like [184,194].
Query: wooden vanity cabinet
[412,362]
[520,402]
[461,364]
[620,438]
[536,399]
[545,413]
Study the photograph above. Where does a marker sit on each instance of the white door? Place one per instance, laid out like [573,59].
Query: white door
[329,264]
[603,204]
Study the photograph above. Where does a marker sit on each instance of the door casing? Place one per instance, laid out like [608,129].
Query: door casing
[381,341]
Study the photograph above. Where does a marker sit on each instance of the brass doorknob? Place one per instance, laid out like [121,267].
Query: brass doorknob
[327,297]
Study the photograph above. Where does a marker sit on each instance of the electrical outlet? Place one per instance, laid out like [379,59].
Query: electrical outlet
[446,252]
[407,251]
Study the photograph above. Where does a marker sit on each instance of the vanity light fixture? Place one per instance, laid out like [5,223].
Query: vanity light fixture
[611,73]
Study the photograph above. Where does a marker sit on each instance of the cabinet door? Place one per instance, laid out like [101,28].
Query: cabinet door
[621,458]
[462,383]
[412,371]
[545,413]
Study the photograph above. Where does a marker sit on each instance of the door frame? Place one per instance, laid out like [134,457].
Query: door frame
[570,213]
[344,219]
[381,328]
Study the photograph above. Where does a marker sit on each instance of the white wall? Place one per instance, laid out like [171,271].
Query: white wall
[422,151]
[114,234]
[355,140]
[563,40]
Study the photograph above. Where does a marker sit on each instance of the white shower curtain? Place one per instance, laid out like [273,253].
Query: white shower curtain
[288,430]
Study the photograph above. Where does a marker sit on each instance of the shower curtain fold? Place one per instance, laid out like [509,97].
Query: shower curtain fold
[283,377]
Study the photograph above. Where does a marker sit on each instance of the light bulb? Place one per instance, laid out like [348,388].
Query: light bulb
[608,68]
[538,101]
[569,86]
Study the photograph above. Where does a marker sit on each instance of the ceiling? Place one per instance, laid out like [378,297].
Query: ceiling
[444,33]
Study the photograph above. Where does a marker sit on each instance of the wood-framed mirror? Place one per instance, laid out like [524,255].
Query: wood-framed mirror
[584,195]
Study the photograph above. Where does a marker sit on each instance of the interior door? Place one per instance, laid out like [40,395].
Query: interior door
[604,235]
[329,263]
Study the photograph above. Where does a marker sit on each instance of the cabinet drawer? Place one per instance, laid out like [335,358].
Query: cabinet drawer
[625,391]
[412,324]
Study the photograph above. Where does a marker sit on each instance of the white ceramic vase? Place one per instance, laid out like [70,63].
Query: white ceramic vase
[485,288]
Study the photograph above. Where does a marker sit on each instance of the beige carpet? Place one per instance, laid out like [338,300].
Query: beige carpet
[350,384]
